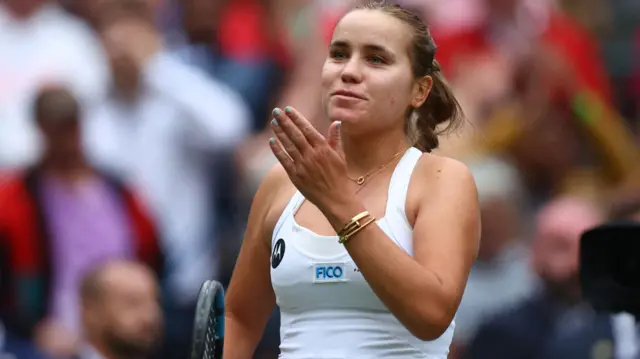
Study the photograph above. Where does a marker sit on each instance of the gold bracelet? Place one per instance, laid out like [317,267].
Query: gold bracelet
[354,226]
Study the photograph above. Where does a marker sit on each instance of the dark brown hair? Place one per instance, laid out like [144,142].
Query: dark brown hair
[441,107]
[55,104]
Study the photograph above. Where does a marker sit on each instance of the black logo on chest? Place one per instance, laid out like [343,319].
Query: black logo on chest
[278,253]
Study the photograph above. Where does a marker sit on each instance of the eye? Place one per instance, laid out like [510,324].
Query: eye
[376,60]
[337,54]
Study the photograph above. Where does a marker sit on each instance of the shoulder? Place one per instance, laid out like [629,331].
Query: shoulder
[272,196]
[437,176]
[437,180]
[441,170]
[275,182]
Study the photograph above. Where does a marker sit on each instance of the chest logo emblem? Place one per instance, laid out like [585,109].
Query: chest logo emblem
[278,253]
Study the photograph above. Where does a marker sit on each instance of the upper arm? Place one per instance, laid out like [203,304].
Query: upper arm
[447,225]
[250,298]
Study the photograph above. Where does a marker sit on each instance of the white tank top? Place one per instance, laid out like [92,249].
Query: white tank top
[328,310]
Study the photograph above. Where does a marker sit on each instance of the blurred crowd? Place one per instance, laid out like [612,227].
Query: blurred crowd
[133,136]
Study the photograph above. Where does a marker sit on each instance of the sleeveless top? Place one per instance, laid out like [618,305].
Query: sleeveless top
[327,309]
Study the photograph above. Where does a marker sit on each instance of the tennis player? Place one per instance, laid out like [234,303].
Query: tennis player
[363,238]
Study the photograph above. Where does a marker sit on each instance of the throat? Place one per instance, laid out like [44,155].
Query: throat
[366,156]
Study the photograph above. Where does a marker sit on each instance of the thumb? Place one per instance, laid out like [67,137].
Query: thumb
[335,140]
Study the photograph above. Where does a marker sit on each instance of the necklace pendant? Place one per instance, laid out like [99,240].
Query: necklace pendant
[360,180]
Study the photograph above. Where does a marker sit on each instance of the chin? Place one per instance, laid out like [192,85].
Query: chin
[346,116]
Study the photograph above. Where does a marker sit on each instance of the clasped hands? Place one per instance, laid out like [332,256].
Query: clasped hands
[315,164]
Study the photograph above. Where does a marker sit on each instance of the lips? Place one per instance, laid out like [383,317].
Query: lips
[351,94]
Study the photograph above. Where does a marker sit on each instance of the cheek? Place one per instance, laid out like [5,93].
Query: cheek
[391,95]
[330,73]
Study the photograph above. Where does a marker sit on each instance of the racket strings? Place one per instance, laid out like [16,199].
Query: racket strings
[210,338]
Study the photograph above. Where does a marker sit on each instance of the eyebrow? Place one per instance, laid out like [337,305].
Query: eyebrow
[368,47]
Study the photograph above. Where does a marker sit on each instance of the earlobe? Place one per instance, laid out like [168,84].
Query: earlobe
[422,90]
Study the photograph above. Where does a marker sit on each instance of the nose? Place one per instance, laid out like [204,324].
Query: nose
[351,72]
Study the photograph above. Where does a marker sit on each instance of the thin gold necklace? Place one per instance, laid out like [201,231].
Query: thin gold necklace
[360,181]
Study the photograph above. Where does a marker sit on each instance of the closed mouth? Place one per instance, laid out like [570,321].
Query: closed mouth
[349,94]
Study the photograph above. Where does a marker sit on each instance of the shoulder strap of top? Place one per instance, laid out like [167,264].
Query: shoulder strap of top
[399,184]
[289,210]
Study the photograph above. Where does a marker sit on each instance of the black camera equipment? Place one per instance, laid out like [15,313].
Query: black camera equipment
[610,267]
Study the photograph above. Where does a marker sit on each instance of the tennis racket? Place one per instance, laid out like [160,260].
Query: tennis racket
[208,327]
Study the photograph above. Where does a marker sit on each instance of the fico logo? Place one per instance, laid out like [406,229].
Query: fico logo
[328,273]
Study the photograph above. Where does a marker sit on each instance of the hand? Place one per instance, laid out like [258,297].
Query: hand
[54,340]
[315,165]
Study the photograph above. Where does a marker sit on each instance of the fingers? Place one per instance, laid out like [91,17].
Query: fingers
[281,155]
[310,133]
[285,140]
[335,140]
[282,125]
[294,136]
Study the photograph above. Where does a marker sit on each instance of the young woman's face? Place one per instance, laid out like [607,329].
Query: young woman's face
[367,78]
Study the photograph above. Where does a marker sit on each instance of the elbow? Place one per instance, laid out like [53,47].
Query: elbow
[429,331]
[431,322]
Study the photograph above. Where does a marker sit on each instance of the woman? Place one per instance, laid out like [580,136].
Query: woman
[389,285]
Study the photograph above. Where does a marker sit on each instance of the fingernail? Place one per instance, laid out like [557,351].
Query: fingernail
[276,111]
[339,124]
[272,140]
[288,109]
[274,122]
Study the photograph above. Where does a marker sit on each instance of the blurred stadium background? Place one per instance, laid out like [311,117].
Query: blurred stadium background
[133,136]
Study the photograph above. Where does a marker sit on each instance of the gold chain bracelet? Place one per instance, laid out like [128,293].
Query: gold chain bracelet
[354,226]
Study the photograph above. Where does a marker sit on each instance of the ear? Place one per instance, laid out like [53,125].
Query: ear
[421,90]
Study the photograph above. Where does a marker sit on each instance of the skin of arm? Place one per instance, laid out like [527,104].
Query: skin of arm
[423,291]
[250,298]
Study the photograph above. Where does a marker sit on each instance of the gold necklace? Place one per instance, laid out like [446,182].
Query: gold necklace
[360,181]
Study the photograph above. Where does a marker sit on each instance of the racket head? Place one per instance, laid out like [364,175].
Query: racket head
[208,327]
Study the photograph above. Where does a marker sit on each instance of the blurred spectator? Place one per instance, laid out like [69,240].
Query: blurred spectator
[57,220]
[610,336]
[96,12]
[40,44]
[254,76]
[121,313]
[501,276]
[160,128]
[14,347]
[528,66]
[304,28]
[626,205]
[515,29]
[526,330]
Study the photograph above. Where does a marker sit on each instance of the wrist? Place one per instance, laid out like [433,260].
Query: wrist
[340,213]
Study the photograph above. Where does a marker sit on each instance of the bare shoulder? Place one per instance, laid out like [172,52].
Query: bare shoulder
[275,180]
[439,172]
[436,179]
[273,195]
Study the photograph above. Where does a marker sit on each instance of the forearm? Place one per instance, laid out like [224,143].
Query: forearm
[412,293]
[239,341]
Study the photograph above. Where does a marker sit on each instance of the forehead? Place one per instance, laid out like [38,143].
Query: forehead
[372,27]
[128,281]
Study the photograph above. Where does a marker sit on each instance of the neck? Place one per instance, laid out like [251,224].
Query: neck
[69,170]
[364,154]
